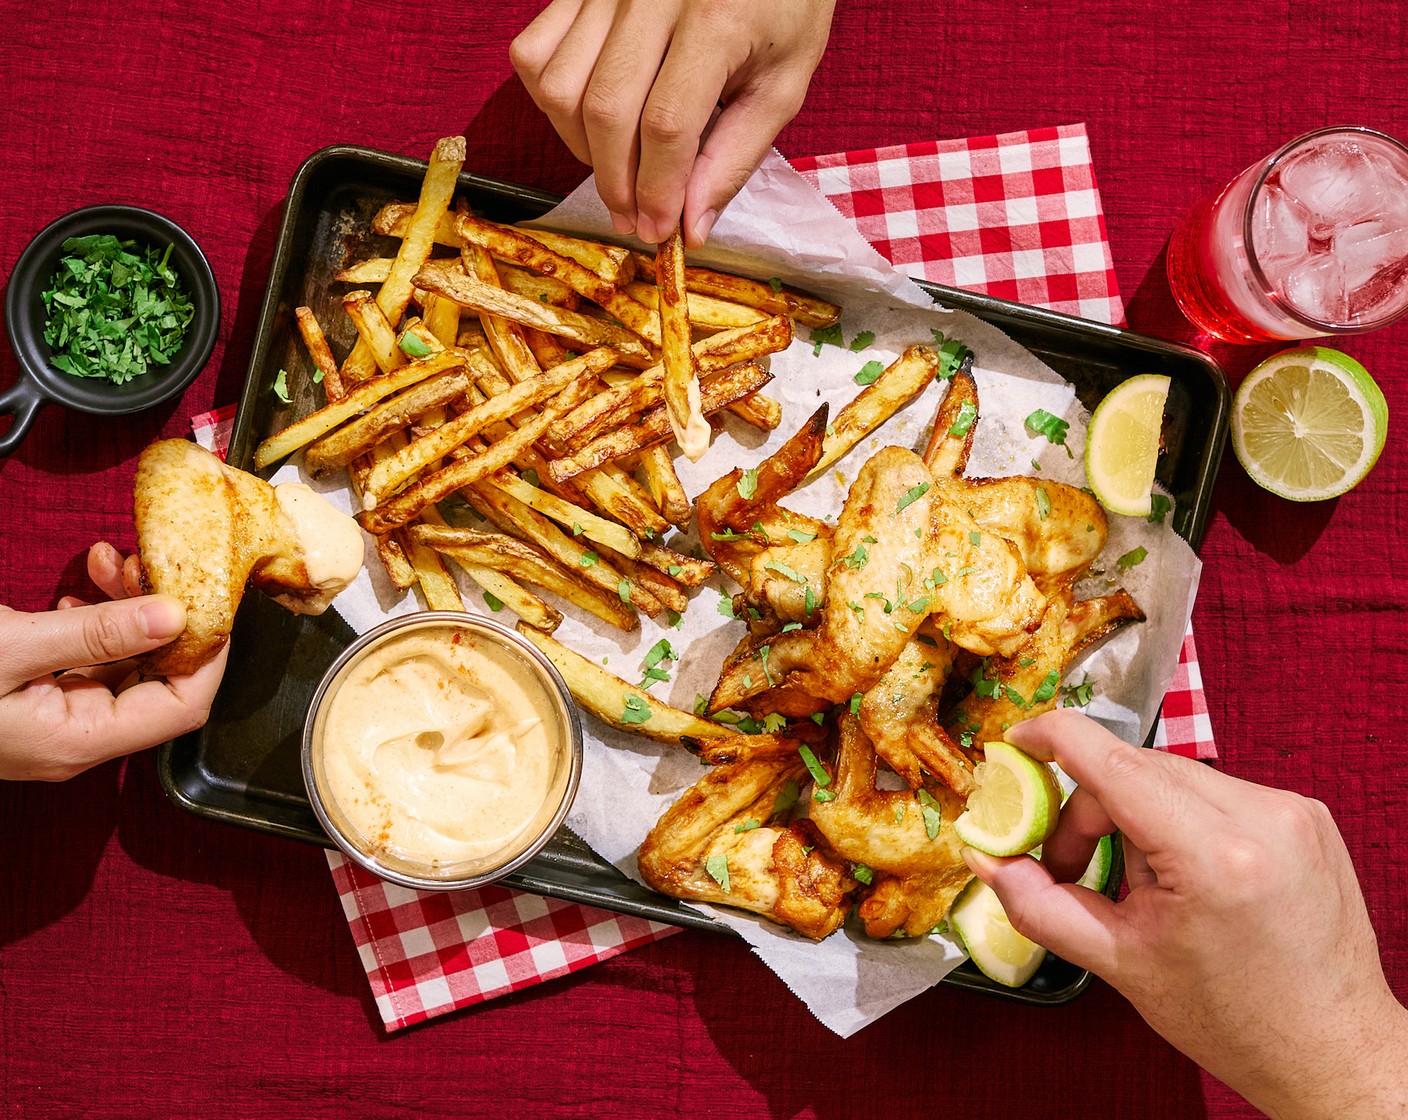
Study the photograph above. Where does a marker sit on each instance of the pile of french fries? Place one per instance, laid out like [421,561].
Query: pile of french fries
[546,382]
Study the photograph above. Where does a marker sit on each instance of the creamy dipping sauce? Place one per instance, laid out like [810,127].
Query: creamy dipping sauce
[439,746]
[331,542]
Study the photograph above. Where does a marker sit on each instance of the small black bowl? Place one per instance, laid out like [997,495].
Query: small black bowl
[40,382]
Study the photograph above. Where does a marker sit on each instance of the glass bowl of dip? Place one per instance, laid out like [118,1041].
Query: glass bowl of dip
[441,751]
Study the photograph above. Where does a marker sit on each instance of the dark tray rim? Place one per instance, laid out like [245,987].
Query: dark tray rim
[535,877]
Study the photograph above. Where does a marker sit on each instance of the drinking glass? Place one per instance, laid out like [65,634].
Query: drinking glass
[1310,241]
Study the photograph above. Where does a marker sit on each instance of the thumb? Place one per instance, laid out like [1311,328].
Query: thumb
[32,645]
[1077,924]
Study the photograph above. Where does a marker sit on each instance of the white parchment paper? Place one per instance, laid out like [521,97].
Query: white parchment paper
[780,226]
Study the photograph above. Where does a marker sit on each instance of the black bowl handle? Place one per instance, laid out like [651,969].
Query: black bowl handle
[22,400]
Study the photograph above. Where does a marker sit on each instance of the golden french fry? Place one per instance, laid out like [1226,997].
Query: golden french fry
[771,297]
[760,410]
[684,569]
[905,378]
[392,554]
[658,468]
[361,398]
[705,312]
[525,561]
[654,582]
[617,703]
[521,520]
[546,349]
[613,407]
[390,474]
[470,292]
[374,329]
[436,584]
[505,338]
[679,383]
[515,245]
[612,493]
[533,285]
[442,318]
[654,426]
[579,521]
[319,351]
[340,446]
[519,600]
[462,472]
[374,270]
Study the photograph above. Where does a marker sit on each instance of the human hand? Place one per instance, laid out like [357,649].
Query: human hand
[632,86]
[53,727]
[1243,939]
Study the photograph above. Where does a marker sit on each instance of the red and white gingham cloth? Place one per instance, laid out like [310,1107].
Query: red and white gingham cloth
[1016,216]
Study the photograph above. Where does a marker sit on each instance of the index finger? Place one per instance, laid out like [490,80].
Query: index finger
[1157,800]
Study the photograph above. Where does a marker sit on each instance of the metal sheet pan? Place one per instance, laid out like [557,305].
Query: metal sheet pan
[243,766]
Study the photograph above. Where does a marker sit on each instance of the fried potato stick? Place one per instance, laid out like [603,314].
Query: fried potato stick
[705,312]
[339,447]
[903,380]
[319,351]
[579,521]
[772,297]
[657,466]
[359,399]
[619,704]
[470,469]
[474,294]
[654,426]
[679,383]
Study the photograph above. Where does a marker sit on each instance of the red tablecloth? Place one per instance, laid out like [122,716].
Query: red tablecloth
[153,964]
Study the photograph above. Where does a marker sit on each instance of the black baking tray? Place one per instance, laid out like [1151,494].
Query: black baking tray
[243,767]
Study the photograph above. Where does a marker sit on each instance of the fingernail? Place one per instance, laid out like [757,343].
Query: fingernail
[162,618]
[646,229]
[621,223]
[977,861]
[703,226]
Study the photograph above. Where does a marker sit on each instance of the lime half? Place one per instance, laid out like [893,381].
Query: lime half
[1308,423]
[999,951]
[1122,444]
[1014,806]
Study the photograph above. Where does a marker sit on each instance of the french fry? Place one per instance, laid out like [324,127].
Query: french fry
[612,263]
[521,520]
[359,399]
[474,294]
[779,300]
[436,584]
[579,521]
[319,351]
[505,337]
[613,496]
[522,602]
[605,410]
[658,468]
[342,445]
[390,474]
[436,192]
[523,560]
[406,505]
[654,426]
[375,330]
[399,568]
[442,318]
[684,569]
[617,703]
[650,580]
[374,270]
[705,312]
[515,245]
[905,378]
[546,349]
[679,381]
[533,285]
[760,410]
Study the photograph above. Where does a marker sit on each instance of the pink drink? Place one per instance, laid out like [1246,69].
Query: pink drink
[1313,240]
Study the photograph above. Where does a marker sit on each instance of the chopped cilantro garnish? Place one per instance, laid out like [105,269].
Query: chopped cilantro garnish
[857,558]
[675,619]
[747,484]
[1132,557]
[818,718]
[660,651]
[636,711]
[975,538]
[746,825]
[674,570]
[1047,689]
[773,723]
[1159,505]
[1016,697]
[530,476]
[862,874]
[727,535]
[1043,503]
[823,795]
[717,867]
[810,602]
[775,283]
[280,383]
[576,529]
[763,657]
[862,340]
[814,768]
[912,495]
[587,559]
[701,705]
[786,797]
[826,336]
[918,606]
[933,816]
[967,413]
[1078,695]
[114,309]
[493,602]
[726,606]
[1043,423]
[413,347]
[783,570]
[869,373]
[856,698]
[801,536]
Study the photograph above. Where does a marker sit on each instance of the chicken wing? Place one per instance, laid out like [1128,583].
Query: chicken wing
[205,530]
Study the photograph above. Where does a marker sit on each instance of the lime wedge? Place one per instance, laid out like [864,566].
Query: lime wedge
[1015,803]
[1097,871]
[1122,444]
[1308,423]
[999,951]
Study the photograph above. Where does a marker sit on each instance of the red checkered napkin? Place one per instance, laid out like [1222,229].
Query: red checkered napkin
[1016,216]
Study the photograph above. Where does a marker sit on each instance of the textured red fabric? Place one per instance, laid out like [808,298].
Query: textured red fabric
[154,964]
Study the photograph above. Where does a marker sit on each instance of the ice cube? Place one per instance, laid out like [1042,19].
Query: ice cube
[1316,289]
[1337,182]
[1367,248]
[1280,227]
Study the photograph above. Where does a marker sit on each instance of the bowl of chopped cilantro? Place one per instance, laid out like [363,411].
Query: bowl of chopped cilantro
[110,309]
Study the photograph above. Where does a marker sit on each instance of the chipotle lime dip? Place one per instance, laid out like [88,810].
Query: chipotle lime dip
[441,746]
